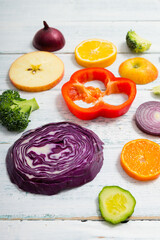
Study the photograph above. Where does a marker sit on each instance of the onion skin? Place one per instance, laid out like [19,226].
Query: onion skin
[48,39]
[71,156]
[146,119]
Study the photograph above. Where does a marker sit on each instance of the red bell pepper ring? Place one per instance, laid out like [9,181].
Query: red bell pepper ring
[74,90]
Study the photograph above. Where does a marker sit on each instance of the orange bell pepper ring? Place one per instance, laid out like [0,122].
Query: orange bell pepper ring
[74,90]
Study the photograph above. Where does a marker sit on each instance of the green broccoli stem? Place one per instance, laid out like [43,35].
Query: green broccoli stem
[27,105]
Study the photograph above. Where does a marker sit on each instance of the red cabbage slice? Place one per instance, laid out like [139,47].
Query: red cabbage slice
[54,157]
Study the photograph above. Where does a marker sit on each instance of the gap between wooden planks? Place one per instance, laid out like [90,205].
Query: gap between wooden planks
[91,218]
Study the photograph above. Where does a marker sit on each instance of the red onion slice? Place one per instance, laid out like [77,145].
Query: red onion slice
[148,117]
[54,157]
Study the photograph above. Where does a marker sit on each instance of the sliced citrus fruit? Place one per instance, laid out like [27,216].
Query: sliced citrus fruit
[36,71]
[140,159]
[95,53]
[139,70]
[116,204]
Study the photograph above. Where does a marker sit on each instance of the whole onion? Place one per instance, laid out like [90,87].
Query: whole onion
[54,157]
[148,117]
[48,39]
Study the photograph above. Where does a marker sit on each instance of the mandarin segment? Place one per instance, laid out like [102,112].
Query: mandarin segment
[139,70]
[141,159]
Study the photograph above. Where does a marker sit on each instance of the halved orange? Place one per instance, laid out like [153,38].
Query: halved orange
[95,53]
[140,159]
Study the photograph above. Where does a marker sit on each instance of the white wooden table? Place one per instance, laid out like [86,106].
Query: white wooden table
[74,214]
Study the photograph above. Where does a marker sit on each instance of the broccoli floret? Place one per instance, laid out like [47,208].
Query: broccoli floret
[15,111]
[136,43]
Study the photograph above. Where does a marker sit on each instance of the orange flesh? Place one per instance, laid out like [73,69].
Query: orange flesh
[95,53]
[95,50]
[141,159]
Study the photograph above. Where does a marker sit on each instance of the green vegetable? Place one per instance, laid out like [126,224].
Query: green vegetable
[156,90]
[136,43]
[15,111]
[116,204]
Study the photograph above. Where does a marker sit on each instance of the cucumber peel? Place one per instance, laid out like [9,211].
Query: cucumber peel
[116,204]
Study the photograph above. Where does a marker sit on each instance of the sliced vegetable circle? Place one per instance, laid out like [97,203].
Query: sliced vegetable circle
[140,159]
[116,204]
[36,71]
[148,117]
[55,157]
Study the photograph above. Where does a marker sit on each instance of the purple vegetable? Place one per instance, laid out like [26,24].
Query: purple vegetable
[148,117]
[48,39]
[54,157]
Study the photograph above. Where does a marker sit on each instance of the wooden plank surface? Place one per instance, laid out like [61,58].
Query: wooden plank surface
[70,67]
[79,10]
[75,32]
[27,216]
[80,202]
[78,230]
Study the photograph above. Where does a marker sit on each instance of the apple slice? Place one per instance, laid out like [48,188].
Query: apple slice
[139,70]
[36,71]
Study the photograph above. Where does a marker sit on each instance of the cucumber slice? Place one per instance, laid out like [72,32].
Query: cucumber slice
[116,204]
[156,90]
